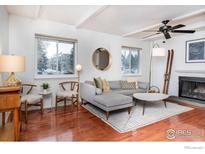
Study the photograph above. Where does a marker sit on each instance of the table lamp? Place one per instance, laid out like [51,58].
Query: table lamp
[12,64]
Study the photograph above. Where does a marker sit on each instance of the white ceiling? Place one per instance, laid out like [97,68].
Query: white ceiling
[124,20]
[66,14]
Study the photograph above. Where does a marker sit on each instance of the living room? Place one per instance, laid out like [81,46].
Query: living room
[120,90]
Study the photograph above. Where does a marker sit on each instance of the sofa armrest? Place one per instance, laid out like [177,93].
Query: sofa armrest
[87,91]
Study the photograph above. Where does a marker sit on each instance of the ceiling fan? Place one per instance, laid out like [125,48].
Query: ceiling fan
[167,29]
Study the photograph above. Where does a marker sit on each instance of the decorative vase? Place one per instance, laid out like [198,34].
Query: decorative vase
[45,90]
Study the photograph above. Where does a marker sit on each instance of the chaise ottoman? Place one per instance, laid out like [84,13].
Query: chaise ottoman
[112,101]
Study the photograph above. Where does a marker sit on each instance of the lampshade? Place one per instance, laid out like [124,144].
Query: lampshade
[78,67]
[10,63]
[158,52]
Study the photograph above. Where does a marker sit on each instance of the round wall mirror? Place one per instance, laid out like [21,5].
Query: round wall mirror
[101,59]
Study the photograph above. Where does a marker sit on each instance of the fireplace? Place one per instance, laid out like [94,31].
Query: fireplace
[192,87]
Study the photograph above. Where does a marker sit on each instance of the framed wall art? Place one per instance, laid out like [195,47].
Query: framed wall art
[195,51]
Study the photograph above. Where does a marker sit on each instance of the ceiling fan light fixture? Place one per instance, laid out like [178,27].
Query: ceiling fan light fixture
[167,35]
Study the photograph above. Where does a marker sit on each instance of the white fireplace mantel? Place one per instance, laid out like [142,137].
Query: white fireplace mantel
[190,71]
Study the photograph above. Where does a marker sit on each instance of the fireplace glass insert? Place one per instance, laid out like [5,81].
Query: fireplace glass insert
[192,87]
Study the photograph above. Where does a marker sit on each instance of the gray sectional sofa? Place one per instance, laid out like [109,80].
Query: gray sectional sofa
[116,98]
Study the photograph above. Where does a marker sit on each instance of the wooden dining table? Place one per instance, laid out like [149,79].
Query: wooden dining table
[10,103]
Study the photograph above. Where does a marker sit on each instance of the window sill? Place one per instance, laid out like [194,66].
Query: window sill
[38,77]
[131,75]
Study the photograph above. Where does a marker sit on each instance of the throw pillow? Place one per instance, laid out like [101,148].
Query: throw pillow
[94,82]
[106,85]
[128,85]
[98,83]
[132,79]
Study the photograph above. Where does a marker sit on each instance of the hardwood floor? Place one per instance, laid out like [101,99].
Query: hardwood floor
[61,125]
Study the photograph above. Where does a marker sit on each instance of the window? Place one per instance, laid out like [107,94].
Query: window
[130,61]
[56,57]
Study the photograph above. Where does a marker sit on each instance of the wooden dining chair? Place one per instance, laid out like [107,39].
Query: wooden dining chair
[69,92]
[28,99]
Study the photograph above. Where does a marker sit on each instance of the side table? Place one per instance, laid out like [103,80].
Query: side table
[45,94]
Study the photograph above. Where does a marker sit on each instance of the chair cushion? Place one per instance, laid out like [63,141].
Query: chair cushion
[31,98]
[66,94]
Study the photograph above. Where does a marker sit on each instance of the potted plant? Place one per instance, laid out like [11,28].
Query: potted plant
[45,87]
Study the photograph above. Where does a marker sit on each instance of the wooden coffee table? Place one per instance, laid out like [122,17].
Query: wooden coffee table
[151,98]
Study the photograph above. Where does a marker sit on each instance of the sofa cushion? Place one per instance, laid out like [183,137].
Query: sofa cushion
[143,85]
[112,99]
[98,91]
[128,85]
[128,91]
[90,82]
[115,84]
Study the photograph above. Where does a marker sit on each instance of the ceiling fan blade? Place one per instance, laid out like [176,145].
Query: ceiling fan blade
[151,35]
[178,26]
[153,30]
[183,31]
[167,35]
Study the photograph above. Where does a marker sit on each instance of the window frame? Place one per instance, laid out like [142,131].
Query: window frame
[131,74]
[57,39]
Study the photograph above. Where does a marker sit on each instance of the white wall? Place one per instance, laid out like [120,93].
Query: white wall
[178,45]
[4,26]
[4,29]
[21,42]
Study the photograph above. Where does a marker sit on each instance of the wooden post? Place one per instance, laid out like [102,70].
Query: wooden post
[72,101]
[107,114]
[143,108]
[64,102]
[41,106]
[16,124]
[165,104]
[56,102]
[3,119]
[26,113]
[129,109]
[20,118]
